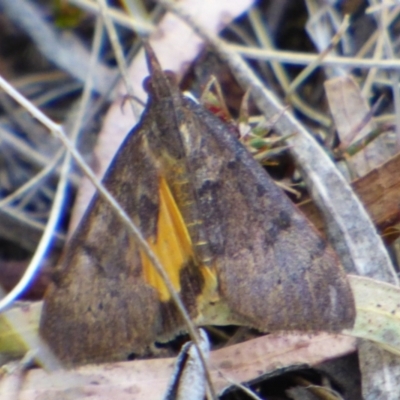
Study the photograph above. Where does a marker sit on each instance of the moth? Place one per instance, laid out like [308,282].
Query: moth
[234,246]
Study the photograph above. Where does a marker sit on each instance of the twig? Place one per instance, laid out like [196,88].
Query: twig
[59,198]
[56,47]
[280,73]
[311,67]
[33,181]
[297,58]
[119,55]
[136,24]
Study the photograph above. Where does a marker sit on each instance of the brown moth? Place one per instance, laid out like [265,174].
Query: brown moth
[235,247]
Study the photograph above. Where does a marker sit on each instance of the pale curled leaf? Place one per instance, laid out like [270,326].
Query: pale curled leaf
[19,334]
[378,312]
[377,320]
[12,331]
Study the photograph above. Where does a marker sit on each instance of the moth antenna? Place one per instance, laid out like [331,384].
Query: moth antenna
[152,61]
[163,88]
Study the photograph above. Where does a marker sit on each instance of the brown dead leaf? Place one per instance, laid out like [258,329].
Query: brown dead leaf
[379,191]
[350,110]
[148,379]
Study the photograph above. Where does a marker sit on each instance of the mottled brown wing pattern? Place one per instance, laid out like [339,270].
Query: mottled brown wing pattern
[224,231]
[100,302]
[273,268]
[101,307]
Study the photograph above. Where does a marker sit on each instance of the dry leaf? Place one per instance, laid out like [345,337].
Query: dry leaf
[350,110]
[378,319]
[147,379]
[379,191]
[378,312]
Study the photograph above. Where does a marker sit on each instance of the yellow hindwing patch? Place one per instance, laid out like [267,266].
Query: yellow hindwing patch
[172,246]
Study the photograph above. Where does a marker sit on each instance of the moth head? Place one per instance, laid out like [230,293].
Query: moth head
[152,88]
[160,84]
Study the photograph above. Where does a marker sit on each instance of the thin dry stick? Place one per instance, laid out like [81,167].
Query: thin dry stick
[396,96]
[48,233]
[297,58]
[374,37]
[137,25]
[35,181]
[30,153]
[371,74]
[311,67]
[384,47]
[119,55]
[37,78]
[395,75]
[280,73]
[380,7]
[57,92]
[64,50]
[25,220]
[246,390]
[22,147]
